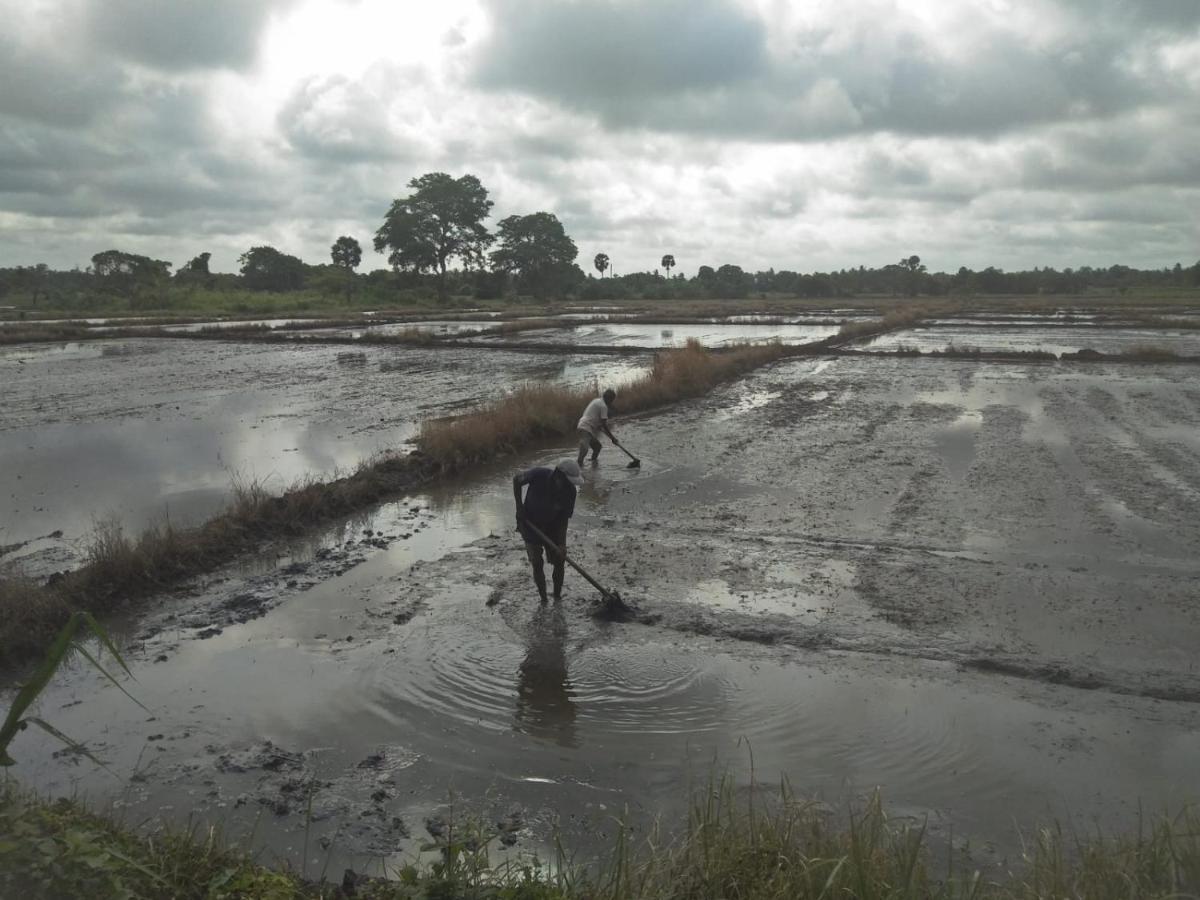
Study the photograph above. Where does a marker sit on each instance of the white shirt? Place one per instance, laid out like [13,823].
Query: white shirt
[595,415]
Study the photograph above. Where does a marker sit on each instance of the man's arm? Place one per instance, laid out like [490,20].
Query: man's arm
[518,483]
[604,427]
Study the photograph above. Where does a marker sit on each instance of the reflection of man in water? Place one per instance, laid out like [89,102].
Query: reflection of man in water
[544,705]
[548,505]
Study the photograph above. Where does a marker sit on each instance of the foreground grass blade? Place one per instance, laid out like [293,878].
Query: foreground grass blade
[83,651]
[64,642]
[29,692]
[102,636]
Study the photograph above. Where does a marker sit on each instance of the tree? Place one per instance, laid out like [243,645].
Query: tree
[196,270]
[33,279]
[346,253]
[913,269]
[441,220]
[128,273]
[114,263]
[668,263]
[266,269]
[536,248]
[199,264]
[732,282]
[601,263]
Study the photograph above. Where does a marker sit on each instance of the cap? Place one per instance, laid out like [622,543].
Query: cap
[570,468]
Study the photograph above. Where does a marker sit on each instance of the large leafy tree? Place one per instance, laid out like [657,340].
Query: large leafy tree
[914,269]
[267,269]
[127,273]
[111,263]
[668,263]
[537,250]
[441,220]
[346,253]
[601,263]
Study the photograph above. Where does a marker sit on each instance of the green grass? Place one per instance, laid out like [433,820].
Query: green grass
[748,845]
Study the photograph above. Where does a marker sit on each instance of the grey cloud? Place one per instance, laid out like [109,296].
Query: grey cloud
[42,86]
[620,51]
[1132,152]
[632,68]
[783,201]
[337,120]
[1172,15]
[180,36]
[152,156]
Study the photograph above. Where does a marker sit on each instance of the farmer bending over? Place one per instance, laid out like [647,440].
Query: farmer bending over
[548,506]
[595,421]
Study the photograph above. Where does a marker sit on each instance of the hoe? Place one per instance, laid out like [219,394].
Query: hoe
[612,600]
[636,464]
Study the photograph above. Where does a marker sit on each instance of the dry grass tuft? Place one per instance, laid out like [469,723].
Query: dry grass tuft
[519,325]
[536,412]
[31,615]
[895,319]
[1150,353]
[411,335]
[44,333]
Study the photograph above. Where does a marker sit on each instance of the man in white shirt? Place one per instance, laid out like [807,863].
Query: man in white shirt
[593,423]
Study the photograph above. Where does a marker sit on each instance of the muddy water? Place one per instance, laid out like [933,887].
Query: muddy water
[448,327]
[649,335]
[970,584]
[142,430]
[1057,340]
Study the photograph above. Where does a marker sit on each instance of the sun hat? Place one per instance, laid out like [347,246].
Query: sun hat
[570,468]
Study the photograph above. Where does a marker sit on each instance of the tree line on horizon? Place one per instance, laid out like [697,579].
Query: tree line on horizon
[442,222]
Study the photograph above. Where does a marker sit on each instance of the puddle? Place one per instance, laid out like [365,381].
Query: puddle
[956,442]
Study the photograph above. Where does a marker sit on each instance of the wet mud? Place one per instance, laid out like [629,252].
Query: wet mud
[970,584]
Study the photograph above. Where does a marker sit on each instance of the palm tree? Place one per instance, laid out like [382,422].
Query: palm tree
[668,263]
[601,263]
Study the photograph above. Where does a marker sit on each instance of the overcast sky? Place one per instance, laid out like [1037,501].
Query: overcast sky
[798,134]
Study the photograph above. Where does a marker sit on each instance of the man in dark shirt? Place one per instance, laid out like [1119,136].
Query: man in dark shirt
[549,504]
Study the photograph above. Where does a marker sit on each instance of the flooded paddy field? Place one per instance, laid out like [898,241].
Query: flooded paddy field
[969,583]
[145,430]
[652,335]
[446,328]
[1066,338]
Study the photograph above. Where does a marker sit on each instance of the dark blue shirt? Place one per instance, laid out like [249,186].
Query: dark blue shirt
[549,501]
